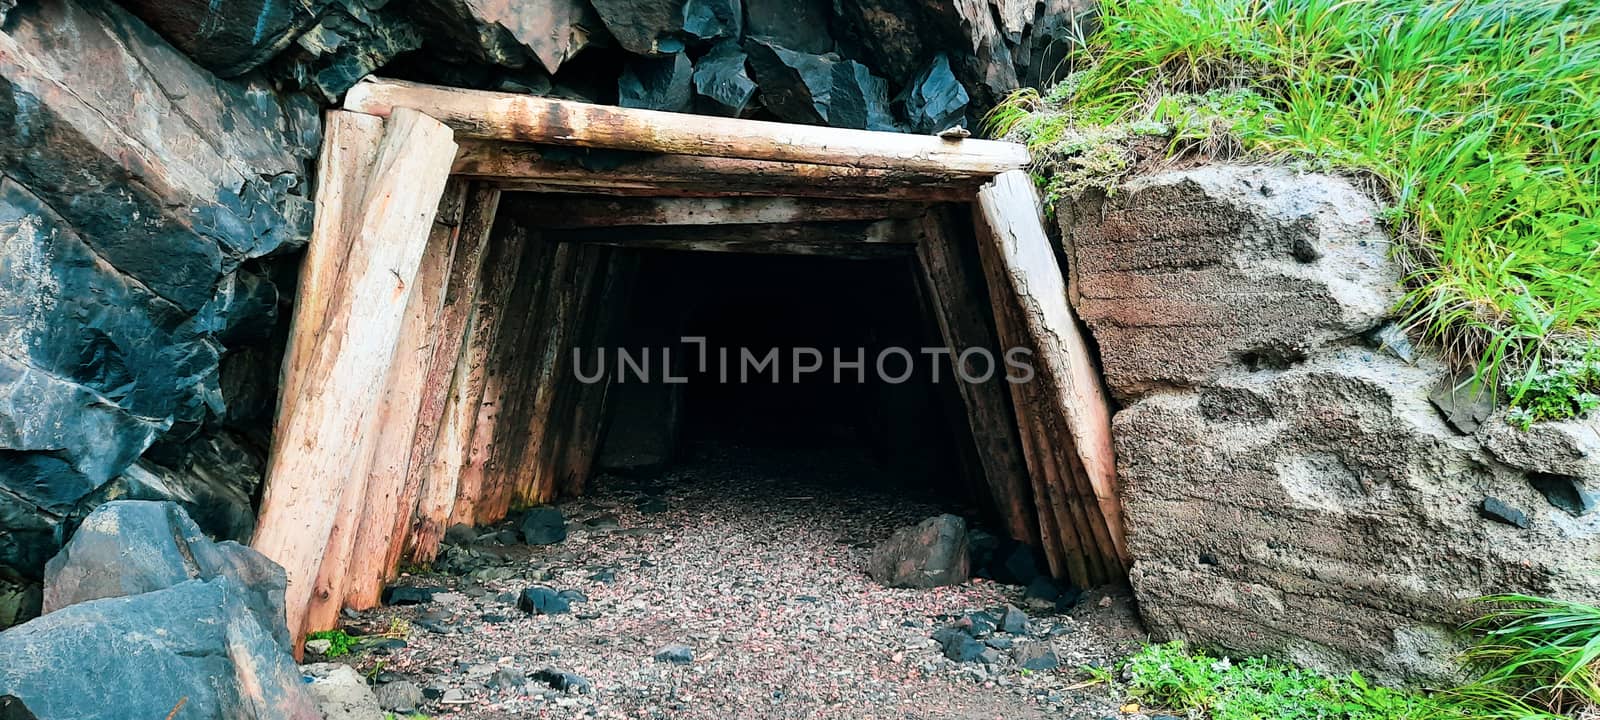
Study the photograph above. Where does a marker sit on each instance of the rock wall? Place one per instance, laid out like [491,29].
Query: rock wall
[155,177]
[1289,487]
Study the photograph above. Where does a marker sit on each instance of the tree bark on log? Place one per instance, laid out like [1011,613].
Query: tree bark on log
[316,472]
[528,118]
[1069,400]
[960,305]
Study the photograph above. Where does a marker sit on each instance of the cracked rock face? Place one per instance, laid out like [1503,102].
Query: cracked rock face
[1288,487]
[138,193]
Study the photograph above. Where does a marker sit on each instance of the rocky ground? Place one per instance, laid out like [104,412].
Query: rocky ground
[732,587]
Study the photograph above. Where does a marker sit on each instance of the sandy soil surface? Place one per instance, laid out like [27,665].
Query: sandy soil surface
[755,562]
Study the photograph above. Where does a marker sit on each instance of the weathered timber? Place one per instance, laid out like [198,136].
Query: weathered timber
[533,167]
[316,472]
[494,314]
[557,390]
[881,232]
[955,288]
[433,416]
[1024,262]
[349,148]
[526,118]
[602,316]
[561,213]
[358,582]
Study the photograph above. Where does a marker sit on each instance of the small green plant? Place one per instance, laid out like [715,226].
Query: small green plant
[1565,386]
[1172,677]
[340,643]
[1536,653]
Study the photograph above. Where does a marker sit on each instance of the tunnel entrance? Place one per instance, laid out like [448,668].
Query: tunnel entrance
[824,322]
[431,375]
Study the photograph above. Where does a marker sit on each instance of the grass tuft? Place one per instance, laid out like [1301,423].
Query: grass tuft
[1477,121]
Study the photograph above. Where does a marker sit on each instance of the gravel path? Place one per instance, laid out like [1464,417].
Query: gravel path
[756,564]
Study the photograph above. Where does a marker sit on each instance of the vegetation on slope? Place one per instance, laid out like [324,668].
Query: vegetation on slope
[1534,659]
[1476,121]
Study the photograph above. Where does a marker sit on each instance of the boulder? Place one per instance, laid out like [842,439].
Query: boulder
[212,477]
[662,83]
[543,526]
[228,38]
[818,89]
[541,600]
[1036,656]
[928,554]
[656,27]
[1243,268]
[934,100]
[506,32]
[721,81]
[1346,523]
[195,645]
[137,185]
[400,696]
[129,547]
[800,25]
[348,42]
[341,693]
[1570,447]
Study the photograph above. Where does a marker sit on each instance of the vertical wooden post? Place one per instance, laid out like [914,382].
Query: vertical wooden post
[317,470]
[956,290]
[1020,257]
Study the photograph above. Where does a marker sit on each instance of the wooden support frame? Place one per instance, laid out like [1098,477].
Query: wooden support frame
[394,409]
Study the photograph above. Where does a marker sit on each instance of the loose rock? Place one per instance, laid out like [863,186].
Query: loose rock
[932,553]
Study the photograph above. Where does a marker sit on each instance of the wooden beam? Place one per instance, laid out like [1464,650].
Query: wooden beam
[317,469]
[529,118]
[349,147]
[841,233]
[400,409]
[562,213]
[493,312]
[960,303]
[535,168]
[1025,261]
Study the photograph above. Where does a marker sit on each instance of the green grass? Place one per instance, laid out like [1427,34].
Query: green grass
[340,642]
[1478,123]
[1172,678]
[1532,659]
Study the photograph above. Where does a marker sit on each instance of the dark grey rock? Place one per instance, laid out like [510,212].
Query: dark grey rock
[798,24]
[400,696]
[1497,510]
[1014,621]
[999,642]
[562,680]
[573,596]
[929,554]
[817,89]
[348,42]
[197,643]
[1017,564]
[675,654]
[407,595]
[934,100]
[651,506]
[507,678]
[655,27]
[657,83]
[978,624]
[1035,656]
[958,645]
[1463,402]
[712,19]
[130,547]
[721,80]
[461,534]
[541,600]
[1564,492]
[228,38]
[604,575]
[543,526]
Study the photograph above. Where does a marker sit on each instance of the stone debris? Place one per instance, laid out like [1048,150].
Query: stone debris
[755,601]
